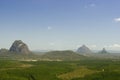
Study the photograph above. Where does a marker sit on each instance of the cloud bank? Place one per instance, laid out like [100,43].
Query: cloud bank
[117,19]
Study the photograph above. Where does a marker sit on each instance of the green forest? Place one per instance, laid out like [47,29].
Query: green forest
[60,70]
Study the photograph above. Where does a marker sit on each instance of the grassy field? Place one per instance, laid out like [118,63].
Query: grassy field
[62,70]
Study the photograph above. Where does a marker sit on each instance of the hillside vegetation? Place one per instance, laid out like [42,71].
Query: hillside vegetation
[63,70]
[63,56]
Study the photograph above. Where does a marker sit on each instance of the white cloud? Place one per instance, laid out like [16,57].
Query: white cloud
[117,19]
[92,5]
[114,46]
[49,27]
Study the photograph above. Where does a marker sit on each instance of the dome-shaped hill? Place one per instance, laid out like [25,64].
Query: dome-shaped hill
[19,47]
[84,49]
[62,55]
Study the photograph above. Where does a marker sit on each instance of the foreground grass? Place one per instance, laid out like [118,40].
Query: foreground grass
[64,70]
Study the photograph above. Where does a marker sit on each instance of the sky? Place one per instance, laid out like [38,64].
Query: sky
[60,24]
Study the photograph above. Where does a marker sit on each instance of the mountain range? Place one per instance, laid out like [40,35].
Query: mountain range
[20,51]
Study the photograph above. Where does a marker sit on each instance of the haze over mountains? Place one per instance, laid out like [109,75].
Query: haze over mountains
[20,50]
[18,46]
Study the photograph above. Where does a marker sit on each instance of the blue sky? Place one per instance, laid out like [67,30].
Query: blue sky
[60,24]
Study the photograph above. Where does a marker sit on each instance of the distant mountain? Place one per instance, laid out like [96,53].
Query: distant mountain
[19,47]
[62,55]
[103,51]
[84,49]
[3,50]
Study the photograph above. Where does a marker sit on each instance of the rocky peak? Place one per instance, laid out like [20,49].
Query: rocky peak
[103,51]
[19,47]
[84,49]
